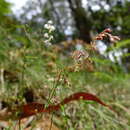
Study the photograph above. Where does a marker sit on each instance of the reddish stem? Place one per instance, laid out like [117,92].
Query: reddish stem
[34,108]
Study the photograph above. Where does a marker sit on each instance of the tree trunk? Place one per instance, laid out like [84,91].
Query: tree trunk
[82,22]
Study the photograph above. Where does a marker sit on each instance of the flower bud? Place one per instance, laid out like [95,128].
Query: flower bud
[108,30]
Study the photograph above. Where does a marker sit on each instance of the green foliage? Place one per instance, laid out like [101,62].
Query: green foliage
[4,8]
[122,44]
[4,11]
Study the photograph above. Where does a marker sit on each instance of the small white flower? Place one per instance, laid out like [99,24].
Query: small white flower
[46,35]
[52,28]
[46,26]
[47,43]
[50,22]
[51,37]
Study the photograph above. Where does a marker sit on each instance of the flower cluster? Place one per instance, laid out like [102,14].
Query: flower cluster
[48,34]
[106,33]
[79,55]
[49,26]
[82,61]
